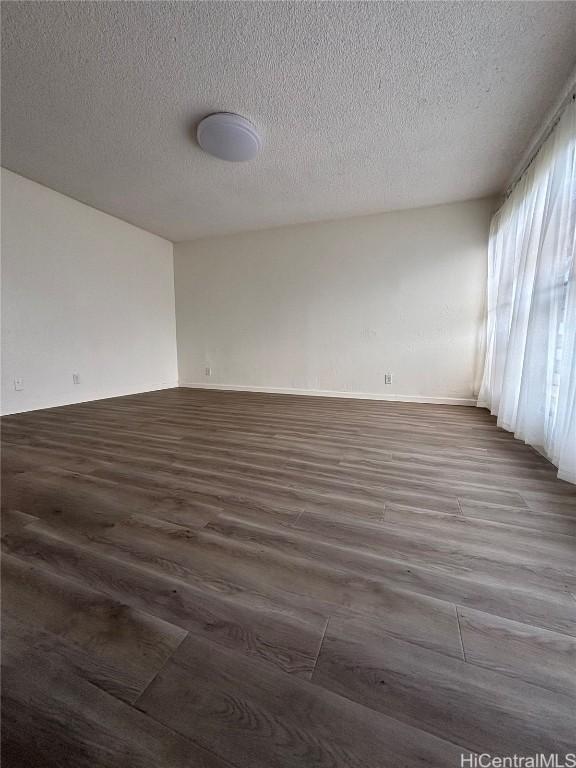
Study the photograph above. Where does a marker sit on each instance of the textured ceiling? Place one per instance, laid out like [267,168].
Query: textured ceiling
[365,107]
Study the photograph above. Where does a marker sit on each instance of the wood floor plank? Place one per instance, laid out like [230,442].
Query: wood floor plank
[541,602]
[479,709]
[527,519]
[452,540]
[520,650]
[102,671]
[51,492]
[106,504]
[547,502]
[281,634]
[258,720]
[285,581]
[202,558]
[19,458]
[533,545]
[132,645]
[14,520]
[52,718]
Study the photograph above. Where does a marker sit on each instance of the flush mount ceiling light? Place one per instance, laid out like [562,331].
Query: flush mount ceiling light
[229,137]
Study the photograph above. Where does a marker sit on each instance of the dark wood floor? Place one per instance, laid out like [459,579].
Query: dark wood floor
[210,579]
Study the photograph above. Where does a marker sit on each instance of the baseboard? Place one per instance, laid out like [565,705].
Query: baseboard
[333,393]
[61,403]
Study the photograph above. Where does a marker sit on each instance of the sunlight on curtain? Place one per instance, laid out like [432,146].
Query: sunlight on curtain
[529,377]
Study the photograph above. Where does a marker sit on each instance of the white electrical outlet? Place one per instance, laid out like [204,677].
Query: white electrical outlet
[387,378]
[208,371]
[18,385]
[76,378]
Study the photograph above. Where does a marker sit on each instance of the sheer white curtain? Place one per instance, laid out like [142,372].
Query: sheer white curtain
[529,377]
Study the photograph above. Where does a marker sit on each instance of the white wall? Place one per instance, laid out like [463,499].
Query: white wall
[82,292]
[327,307]
[332,307]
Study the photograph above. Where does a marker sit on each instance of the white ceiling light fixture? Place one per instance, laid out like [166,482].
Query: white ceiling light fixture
[229,137]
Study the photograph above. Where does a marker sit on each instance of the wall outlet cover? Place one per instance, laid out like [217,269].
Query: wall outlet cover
[18,384]
[76,378]
[387,378]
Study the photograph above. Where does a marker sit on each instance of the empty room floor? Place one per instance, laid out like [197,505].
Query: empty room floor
[202,578]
